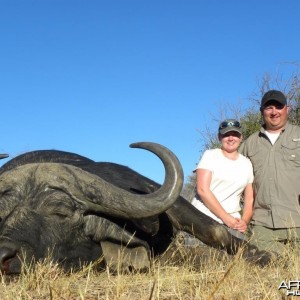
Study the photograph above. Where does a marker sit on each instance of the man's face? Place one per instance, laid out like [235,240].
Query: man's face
[275,115]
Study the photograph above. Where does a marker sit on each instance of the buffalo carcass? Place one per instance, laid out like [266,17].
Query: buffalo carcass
[75,210]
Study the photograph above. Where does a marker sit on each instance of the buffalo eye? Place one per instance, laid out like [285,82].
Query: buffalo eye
[55,202]
[8,201]
[59,209]
[60,215]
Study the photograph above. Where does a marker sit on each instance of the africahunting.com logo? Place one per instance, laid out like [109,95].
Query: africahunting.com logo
[291,287]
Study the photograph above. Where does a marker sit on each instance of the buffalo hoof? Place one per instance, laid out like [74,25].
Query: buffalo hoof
[260,257]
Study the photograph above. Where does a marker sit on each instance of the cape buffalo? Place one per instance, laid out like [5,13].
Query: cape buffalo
[75,210]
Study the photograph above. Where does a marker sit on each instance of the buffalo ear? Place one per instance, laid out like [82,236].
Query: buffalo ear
[149,225]
[125,258]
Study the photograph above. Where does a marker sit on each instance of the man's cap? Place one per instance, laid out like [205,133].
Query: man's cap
[230,125]
[275,96]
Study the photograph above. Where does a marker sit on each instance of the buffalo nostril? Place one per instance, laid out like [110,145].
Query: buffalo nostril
[6,255]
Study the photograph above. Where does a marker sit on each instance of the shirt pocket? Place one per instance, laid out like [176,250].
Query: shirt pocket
[291,154]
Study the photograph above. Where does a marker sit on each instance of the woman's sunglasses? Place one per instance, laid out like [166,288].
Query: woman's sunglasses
[230,124]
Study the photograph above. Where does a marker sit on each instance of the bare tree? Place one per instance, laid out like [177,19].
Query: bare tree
[250,117]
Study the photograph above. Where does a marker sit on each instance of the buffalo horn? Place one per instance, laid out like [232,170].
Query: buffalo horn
[94,193]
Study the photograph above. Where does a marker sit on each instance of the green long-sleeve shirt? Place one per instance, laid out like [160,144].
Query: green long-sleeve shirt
[276,177]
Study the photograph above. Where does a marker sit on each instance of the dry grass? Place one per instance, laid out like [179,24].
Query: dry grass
[217,277]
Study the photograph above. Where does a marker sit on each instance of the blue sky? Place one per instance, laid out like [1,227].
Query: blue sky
[91,77]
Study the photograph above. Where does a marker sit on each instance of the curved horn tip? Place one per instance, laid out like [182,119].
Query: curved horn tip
[136,145]
[4,156]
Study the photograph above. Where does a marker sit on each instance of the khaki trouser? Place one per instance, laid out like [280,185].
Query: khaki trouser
[271,239]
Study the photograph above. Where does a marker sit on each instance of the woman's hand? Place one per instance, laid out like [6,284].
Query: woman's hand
[241,225]
[230,221]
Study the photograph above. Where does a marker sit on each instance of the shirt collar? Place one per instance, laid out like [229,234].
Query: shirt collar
[263,128]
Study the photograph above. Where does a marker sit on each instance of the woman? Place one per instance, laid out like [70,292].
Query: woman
[223,175]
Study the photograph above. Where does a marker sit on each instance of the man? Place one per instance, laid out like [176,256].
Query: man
[275,154]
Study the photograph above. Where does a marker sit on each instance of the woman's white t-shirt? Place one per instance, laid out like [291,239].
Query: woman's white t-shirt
[229,179]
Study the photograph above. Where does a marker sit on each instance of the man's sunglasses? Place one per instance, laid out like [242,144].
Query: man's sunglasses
[230,124]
